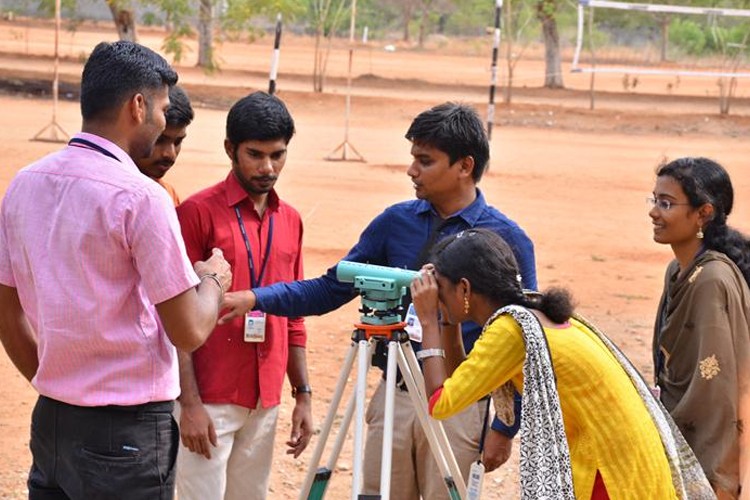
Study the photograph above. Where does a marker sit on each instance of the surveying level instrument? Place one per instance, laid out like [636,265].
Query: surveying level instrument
[381,290]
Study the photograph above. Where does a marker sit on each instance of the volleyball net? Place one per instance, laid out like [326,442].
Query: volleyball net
[640,38]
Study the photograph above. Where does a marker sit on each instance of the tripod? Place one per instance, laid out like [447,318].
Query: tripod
[400,353]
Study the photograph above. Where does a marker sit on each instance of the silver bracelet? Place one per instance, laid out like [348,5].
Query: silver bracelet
[430,353]
[215,278]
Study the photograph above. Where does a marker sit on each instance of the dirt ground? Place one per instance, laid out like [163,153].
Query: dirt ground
[575,180]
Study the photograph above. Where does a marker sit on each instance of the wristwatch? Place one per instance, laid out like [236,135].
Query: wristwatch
[301,389]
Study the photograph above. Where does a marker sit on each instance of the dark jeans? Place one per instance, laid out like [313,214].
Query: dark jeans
[105,452]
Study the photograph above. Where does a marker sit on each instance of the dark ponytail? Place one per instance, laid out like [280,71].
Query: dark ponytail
[488,263]
[556,303]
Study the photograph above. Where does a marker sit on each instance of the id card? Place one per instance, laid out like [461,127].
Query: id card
[255,326]
[476,478]
[413,326]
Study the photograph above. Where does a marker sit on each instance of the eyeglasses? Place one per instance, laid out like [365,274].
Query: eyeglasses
[662,203]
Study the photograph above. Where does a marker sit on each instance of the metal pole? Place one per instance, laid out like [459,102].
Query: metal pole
[56,79]
[349,77]
[493,77]
[54,132]
[592,90]
[386,459]
[345,146]
[338,393]
[275,57]
[363,362]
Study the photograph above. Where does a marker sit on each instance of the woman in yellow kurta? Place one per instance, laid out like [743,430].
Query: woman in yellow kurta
[578,383]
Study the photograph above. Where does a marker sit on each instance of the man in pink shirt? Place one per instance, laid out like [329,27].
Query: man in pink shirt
[96,290]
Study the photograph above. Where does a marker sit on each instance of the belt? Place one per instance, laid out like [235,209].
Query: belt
[154,406]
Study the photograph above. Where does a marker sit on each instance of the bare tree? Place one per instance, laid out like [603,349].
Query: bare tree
[327,15]
[516,23]
[732,56]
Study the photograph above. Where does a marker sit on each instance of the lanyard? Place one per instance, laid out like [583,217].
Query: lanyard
[253,282]
[91,145]
[484,425]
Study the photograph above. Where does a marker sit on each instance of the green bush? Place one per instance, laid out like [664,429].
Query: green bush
[728,40]
[150,19]
[687,36]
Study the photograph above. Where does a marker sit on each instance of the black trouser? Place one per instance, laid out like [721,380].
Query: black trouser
[105,452]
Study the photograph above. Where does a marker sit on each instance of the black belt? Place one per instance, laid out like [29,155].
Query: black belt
[154,406]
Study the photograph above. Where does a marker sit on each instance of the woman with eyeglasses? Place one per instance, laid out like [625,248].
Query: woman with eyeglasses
[701,337]
[590,427]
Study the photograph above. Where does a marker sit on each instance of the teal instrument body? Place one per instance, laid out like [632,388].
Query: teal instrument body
[380,287]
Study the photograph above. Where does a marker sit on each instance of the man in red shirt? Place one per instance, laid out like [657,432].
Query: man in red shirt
[179,114]
[231,386]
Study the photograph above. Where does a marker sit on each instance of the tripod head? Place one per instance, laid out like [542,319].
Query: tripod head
[381,289]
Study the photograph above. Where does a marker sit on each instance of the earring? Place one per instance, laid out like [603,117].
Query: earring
[699,234]
[466,304]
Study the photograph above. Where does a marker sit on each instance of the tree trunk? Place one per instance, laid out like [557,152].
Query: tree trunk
[407,12]
[664,37]
[423,27]
[553,66]
[124,20]
[321,57]
[206,36]
[318,61]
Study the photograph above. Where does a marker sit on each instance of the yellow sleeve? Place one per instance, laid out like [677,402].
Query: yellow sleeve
[497,356]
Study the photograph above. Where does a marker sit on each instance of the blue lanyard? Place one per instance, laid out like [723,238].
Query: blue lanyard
[91,145]
[250,263]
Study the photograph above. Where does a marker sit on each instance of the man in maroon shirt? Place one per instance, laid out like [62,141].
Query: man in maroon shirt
[231,387]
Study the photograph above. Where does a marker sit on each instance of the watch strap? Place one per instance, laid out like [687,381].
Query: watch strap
[430,353]
[300,389]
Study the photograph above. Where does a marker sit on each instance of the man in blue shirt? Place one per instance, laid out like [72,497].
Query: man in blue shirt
[451,152]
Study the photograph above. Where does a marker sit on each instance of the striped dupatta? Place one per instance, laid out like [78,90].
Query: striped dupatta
[545,457]
[545,466]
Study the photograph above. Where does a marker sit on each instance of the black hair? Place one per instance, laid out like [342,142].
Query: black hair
[487,262]
[114,72]
[456,130]
[180,112]
[705,181]
[259,117]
